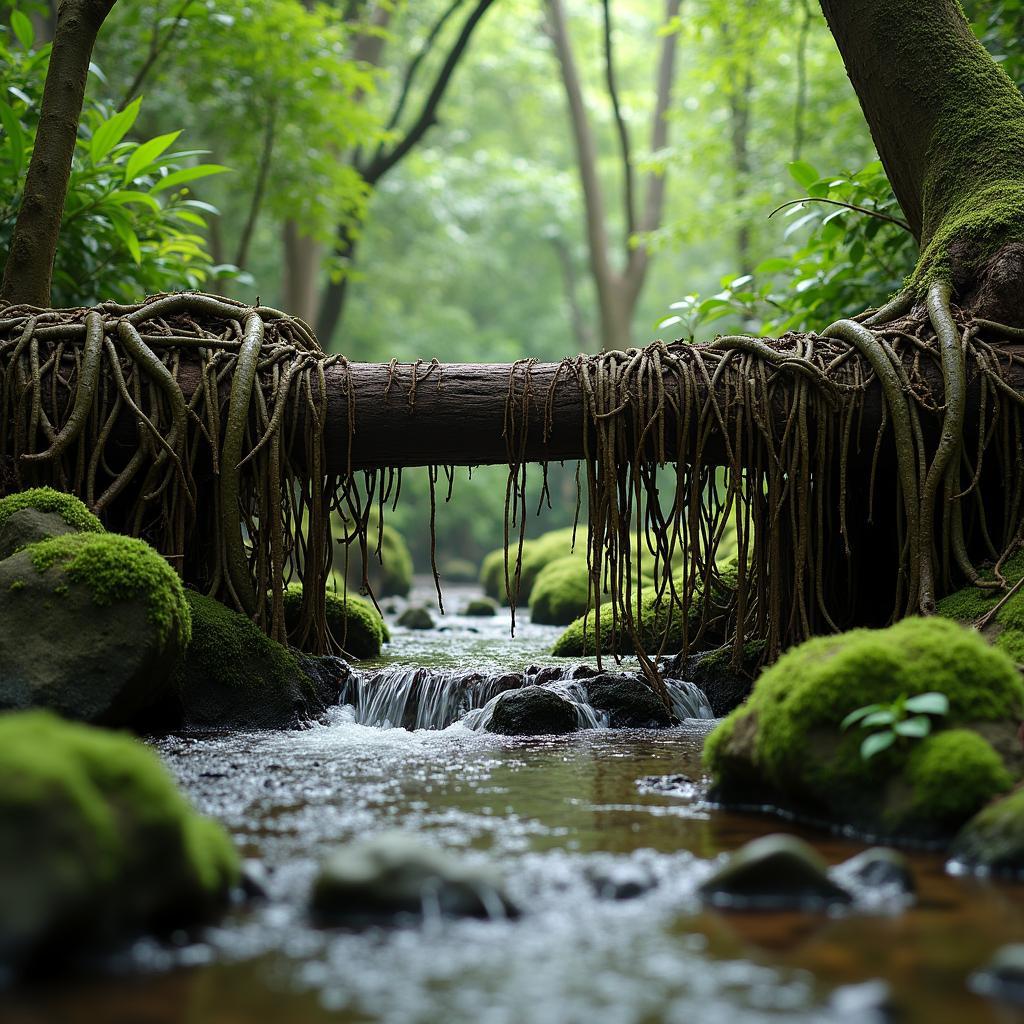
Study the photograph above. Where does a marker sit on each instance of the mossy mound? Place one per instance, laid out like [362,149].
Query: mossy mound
[481,608]
[353,621]
[715,672]
[1006,628]
[389,575]
[96,843]
[560,591]
[785,745]
[93,626]
[993,840]
[458,570]
[40,513]
[234,676]
[536,554]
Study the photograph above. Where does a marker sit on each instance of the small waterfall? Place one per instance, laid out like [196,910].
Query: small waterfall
[422,698]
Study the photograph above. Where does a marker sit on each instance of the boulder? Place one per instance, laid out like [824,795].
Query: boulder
[96,844]
[91,626]
[785,747]
[560,592]
[532,711]
[395,876]
[777,872]
[481,608]
[627,701]
[233,676]
[1002,977]
[877,868]
[416,617]
[725,686]
[354,623]
[536,554]
[992,842]
[41,513]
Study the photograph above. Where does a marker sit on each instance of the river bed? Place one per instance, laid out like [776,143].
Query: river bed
[603,859]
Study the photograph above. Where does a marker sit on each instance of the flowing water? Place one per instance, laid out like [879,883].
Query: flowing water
[603,838]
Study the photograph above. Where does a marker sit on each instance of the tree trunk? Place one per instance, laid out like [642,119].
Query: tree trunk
[301,272]
[29,270]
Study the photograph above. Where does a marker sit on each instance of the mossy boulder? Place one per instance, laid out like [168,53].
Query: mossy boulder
[785,746]
[458,570]
[416,616]
[560,591]
[1006,628]
[626,701]
[96,844]
[536,554]
[481,608]
[531,711]
[725,684]
[233,676]
[92,627]
[390,574]
[992,842]
[353,621]
[41,513]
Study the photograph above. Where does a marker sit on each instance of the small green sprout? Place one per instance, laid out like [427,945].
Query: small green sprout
[905,717]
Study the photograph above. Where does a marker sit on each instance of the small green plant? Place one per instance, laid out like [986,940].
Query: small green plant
[905,717]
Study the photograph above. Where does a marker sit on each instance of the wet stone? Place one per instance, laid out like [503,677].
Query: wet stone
[1003,977]
[394,876]
[532,711]
[416,617]
[627,701]
[877,868]
[776,872]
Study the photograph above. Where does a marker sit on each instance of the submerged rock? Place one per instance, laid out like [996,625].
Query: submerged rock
[481,608]
[993,840]
[777,872]
[233,676]
[532,711]
[92,626]
[627,701]
[416,617]
[41,513]
[785,747]
[96,844]
[394,875]
[1003,976]
[877,868]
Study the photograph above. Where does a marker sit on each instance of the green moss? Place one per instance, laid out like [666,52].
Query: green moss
[352,620]
[481,607]
[95,838]
[993,840]
[951,774]
[536,554]
[560,591]
[17,585]
[793,714]
[389,575]
[46,499]
[116,568]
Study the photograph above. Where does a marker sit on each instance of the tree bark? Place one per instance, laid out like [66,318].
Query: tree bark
[28,273]
[301,272]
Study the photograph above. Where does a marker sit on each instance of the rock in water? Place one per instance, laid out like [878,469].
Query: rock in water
[394,875]
[481,607]
[41,513]
[992,842]
[777,872]
[1003,977]
[878,868]
[532,711]
[91,626]
[416,617]
[627,701]
[233,676]
[96,844]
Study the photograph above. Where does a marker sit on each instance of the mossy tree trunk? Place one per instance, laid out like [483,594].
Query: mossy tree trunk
[29,268]
[949,126]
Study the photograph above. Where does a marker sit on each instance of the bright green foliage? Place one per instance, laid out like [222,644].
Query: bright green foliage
[116,568]
[788,733]
[46,499]
[353,621]
[129,227]
[96,842]
[905,718]
[952,774]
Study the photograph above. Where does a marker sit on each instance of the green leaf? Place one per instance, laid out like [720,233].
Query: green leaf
[112,131]
[917,727]
[855,716]
[876,743]
[885,717]
[21,23]
[130,239]
[932,703]
[15,138]
[124,197]
[187,174]
[803,173]
[146,153]
[773,265]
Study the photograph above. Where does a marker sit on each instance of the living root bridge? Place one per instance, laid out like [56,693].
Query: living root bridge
[881,457]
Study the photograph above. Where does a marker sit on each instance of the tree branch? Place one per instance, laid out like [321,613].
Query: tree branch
[629,200]
[157,46]
[383,162]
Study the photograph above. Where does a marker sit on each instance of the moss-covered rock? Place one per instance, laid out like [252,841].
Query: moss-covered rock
[96,843]
[536,554]
[416,616]
[458,570]
[993,840]
[40,513]
[389,575]
[92,627]
[1006,628]
[725,685]
[353,621]
[785,745]
[481,608]
[560,591]
[531,711]
[233,676]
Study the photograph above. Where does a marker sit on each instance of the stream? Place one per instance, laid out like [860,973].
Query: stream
[602,855]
